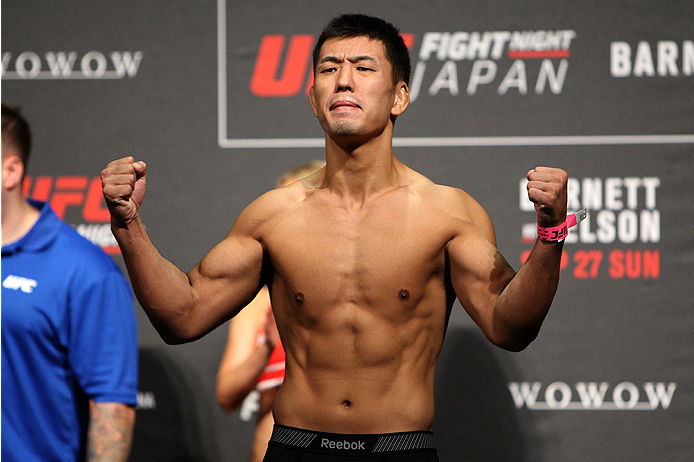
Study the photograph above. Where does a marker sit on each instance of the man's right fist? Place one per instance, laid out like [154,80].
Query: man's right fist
[124,182]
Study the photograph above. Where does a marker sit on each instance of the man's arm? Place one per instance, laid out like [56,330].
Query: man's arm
[182,307]
[510,307]
[110,433]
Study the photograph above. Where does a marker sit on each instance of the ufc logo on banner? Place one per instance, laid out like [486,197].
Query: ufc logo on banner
[296,73]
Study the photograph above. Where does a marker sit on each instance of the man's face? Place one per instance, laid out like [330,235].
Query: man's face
[353,92]
[12,165]
[9,153]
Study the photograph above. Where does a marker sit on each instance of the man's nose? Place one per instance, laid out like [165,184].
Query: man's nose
[345,80]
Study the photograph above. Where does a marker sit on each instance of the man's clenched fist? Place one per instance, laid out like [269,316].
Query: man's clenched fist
[124,183]
[547,190]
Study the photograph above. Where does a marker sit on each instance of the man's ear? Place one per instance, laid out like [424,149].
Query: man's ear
[312,98]
[401,100]
[12,172]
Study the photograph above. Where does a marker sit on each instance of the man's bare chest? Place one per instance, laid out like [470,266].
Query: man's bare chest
[357,251]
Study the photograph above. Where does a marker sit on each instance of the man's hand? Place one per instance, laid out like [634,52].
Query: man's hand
[547,190]
[124,182]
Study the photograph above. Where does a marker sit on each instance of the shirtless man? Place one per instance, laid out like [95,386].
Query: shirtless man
[363,260]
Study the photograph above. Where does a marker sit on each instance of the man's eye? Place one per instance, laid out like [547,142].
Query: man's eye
[362,68]
[327,70]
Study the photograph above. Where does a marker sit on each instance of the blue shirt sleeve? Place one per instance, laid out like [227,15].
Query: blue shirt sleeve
[102,339]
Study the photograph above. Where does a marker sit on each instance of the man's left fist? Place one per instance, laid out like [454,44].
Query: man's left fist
[547,190]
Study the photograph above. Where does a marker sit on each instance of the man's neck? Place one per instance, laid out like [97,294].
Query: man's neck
[18,217]
[358,171]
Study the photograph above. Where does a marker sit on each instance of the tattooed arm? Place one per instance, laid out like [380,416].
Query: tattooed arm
[110,432]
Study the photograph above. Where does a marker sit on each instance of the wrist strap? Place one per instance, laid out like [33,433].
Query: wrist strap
[558,233]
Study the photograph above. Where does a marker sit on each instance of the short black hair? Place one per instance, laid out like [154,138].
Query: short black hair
[359,25]
[15,131]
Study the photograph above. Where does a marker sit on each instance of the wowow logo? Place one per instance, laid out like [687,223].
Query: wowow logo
[146,401]
[79,201]
[592,396]
[70,65]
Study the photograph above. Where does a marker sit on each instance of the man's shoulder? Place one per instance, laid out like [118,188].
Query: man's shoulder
[429,189]
[268,207]
[277,200]
[445,196]
[454,206]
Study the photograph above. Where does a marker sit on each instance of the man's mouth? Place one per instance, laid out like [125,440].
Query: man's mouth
[344,104]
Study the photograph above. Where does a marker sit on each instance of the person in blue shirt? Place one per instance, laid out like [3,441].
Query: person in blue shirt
[69,333]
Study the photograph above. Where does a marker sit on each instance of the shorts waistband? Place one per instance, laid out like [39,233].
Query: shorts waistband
[338,443]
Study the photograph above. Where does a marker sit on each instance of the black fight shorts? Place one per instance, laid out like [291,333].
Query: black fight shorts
[289,444]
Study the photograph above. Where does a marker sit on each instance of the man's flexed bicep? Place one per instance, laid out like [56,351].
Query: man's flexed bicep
[224,282]
[479,275]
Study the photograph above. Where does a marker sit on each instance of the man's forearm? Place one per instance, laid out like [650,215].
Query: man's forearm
[161,288]
[110,434]
[522,306]
[524,303]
